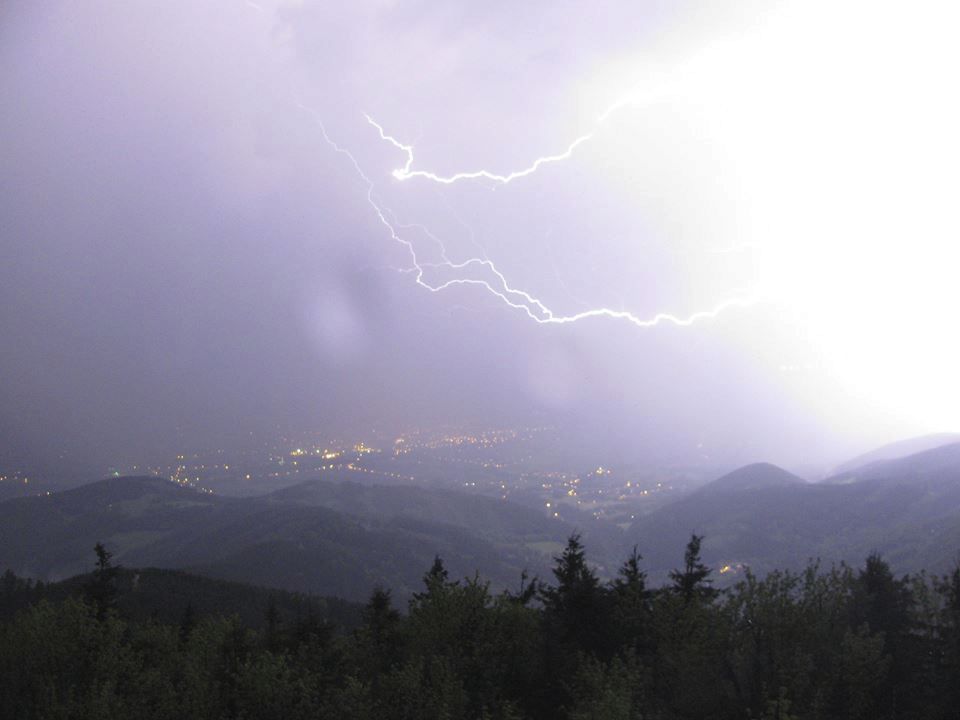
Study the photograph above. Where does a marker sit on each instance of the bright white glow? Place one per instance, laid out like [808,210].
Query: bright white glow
[842,121]
[837,122]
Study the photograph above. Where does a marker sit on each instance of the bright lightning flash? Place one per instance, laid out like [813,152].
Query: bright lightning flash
[495,282]
[840,123]
[499,287]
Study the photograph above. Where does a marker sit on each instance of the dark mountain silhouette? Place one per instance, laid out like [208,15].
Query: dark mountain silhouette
[762,517]
[282,540]
[896,450]
[341,539]
[753,477]
[485,516]
[939,465]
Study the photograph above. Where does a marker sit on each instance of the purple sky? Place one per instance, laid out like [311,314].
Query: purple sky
[184,259]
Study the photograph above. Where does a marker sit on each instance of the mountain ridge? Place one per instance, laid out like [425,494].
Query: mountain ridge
[263,540]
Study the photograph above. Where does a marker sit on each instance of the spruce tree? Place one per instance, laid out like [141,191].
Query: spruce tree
[102,588]
[694,580]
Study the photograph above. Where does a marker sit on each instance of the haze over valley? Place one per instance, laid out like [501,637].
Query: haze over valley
[477,501]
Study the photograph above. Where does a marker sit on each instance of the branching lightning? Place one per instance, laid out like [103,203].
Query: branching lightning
[823,182]
[631,98]
[497,283]
[406,172]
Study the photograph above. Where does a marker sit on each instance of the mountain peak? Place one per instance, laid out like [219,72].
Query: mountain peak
[754,476]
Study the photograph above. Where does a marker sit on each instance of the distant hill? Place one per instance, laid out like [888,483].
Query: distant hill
[896,450]
[511,527]
[759,516]
[753,477]
[286,540]
[342,539]
[488,517]
[939,465]
[50,536]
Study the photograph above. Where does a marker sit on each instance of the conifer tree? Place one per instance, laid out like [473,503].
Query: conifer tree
[631,604]
[102,588]
[694,580]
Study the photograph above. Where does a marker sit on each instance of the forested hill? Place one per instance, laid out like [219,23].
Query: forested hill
[764,518]
[856,643]
[289,540]
[175,597]
[341,539]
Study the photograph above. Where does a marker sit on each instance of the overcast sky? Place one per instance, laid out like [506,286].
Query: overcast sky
[187,260]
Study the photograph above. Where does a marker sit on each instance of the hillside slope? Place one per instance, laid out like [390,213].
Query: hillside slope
[897,450]
[907,509]
[274,541]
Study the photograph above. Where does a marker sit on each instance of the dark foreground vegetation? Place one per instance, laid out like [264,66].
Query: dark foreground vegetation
[838,643]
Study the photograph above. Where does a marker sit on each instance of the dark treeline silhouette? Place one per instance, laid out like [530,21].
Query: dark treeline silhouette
[837,643]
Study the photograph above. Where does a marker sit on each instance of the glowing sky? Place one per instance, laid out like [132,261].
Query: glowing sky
[727,228]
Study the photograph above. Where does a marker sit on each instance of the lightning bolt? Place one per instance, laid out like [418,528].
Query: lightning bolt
[496,283]
[530,305]
[406,172]
[653,89]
